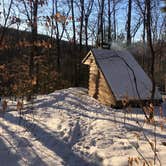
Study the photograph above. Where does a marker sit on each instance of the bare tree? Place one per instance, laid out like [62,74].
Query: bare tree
[6,15]
[141,7]
[101,22]
[150,44]
[58,27]
[81,21]
[114,19]
[109,24]
[31,10]
[73,21]
[87,14]
[57,35]
[129,23]
[100,41]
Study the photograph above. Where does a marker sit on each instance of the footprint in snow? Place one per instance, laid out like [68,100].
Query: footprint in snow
[23,142]
[75,134]
[59,127]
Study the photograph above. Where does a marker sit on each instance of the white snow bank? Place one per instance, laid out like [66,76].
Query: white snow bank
[68,127]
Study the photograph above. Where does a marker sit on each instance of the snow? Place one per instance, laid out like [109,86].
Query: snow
[119,69]
[70,128]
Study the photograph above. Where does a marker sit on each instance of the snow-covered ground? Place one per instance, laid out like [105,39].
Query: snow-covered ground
[70,128]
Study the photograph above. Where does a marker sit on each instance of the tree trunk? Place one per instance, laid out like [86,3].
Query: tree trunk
[34,9]
[143,38]
[74,46]
[114,20]
[102,23]
[150,44]
[5,21]
[109,24]
[87,14]
[86,31]
[129,23]
[81,23]
[58,49]
[33,68]
[73,22]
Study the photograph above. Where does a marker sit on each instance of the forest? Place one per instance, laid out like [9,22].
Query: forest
[56,110]
[42,42]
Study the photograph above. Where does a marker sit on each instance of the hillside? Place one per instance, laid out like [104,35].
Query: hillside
[58,66]
[16,43]
[15,55]
[67,127]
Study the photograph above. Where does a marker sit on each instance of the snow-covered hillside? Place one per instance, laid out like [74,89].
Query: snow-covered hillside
[70,128]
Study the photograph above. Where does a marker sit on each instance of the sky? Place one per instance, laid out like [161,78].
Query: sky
[121,19]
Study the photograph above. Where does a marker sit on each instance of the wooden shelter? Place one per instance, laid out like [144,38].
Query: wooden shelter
[115,76]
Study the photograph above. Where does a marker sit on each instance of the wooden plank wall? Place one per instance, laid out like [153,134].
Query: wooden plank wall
[98,87]
[93,75]
[105,95]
